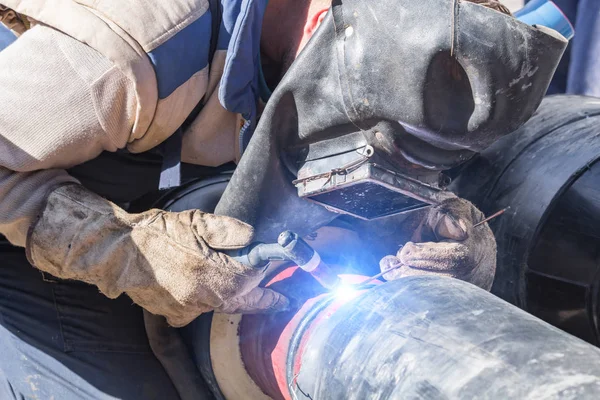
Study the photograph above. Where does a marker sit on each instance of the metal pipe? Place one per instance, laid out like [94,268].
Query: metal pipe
[418,337]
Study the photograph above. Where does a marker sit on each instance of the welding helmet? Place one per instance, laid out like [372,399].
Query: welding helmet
[385,96]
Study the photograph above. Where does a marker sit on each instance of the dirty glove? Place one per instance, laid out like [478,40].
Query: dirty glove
[446,243]
[166,262]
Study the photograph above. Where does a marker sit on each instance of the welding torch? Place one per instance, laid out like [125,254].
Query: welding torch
[289,247]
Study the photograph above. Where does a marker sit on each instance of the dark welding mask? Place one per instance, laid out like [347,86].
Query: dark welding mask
[387,95]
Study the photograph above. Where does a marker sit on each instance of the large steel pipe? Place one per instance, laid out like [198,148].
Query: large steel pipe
[548,173]
[418,337]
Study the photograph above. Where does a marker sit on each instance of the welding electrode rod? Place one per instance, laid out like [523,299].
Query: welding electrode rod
[379,275]
[497,214]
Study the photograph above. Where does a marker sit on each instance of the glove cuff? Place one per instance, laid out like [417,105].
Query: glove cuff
[38,217]
[78,235]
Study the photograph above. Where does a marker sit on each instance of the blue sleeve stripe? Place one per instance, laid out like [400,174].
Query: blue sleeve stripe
[183,55]
[6,37]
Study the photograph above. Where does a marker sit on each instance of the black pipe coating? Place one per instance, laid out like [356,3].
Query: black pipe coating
[441,338]
[547,173]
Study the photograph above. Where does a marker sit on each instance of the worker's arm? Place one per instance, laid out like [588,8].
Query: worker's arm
[61,104]
[451,240]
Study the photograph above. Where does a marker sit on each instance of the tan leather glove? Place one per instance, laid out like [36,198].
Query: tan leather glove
[166,262]
[446,243]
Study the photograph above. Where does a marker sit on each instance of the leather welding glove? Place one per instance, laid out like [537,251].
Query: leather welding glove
[447,243]
[166,262]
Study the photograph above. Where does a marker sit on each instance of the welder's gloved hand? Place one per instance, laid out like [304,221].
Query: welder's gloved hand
[446,243]
[167,262]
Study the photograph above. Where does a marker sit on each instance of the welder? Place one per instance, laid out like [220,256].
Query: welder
[100,102]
